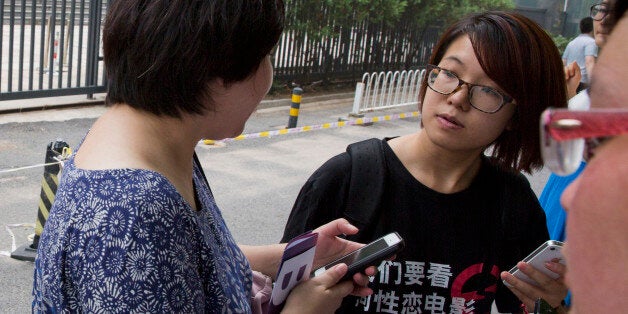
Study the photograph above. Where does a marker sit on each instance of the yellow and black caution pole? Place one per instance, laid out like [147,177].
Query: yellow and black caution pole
[294,107]
[49,184]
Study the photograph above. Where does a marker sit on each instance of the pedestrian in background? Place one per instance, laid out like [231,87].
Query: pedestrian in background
[583,51]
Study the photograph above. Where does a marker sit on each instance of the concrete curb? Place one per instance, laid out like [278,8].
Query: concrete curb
[42,104]
[305,100]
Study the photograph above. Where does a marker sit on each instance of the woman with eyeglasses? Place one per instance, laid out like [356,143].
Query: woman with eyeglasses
[453,190]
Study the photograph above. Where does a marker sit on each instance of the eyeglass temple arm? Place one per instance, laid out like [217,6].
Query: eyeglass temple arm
[568,125]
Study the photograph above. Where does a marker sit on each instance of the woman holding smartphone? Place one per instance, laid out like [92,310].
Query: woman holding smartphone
[465,216]
[135,227]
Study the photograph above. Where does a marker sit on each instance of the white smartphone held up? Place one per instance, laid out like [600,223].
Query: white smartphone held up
[547,252]
[369,255]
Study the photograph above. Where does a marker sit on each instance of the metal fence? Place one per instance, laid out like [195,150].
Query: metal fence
[50,48]
[382,90]
[352,52]
[53,48]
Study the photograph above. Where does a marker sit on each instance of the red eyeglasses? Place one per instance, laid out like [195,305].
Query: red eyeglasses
[568,136]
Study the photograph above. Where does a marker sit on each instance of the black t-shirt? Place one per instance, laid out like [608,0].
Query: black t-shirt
[454,249]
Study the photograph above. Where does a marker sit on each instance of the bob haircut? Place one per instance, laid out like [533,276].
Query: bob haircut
[523,60]
[160,55]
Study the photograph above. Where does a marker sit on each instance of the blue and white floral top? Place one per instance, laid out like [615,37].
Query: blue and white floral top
[124,240]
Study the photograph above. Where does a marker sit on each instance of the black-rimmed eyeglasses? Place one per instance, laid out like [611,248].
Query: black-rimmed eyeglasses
[482,98]
[599,11]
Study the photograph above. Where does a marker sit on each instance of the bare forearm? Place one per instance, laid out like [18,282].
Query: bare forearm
[264,258]
[589,64]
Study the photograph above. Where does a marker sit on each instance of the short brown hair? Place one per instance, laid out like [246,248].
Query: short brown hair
[522,59]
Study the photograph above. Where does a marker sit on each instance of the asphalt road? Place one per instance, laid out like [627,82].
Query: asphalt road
[255,181]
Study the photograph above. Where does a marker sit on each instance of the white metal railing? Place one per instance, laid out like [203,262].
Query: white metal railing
[386,90]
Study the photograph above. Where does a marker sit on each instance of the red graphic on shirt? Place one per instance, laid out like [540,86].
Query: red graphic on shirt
[458,286]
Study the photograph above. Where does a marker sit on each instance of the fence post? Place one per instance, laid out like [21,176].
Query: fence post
[294,107]
[49,183]
[357,100]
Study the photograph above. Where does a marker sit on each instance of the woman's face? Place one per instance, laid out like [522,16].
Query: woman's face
[602,28]
[449,120]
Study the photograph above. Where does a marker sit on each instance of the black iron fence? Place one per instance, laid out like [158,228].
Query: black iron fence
[352,52]
[50,48]
[53,48]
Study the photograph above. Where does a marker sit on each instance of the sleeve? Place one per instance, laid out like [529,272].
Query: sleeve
[525,229]
[322,198]
[591,50]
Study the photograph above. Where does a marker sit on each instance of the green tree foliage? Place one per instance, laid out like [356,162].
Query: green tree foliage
[561,42]
[326,17]
[439,12]
[336,39]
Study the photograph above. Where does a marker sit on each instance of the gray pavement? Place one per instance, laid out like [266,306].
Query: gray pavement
[254,181]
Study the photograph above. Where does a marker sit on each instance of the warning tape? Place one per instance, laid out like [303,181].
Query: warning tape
[307,128]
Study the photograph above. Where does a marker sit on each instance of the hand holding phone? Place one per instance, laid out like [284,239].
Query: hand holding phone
[370,254]
[547,252]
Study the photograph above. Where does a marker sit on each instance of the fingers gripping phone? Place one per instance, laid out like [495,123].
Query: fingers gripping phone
[548,251]
[369,255]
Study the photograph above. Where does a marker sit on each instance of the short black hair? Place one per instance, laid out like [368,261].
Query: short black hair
[160,55]
[586,25]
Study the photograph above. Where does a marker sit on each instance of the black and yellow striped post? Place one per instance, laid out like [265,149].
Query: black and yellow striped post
[49,184]
[294,107]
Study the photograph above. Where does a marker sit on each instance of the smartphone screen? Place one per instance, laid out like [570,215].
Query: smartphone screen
[368,255]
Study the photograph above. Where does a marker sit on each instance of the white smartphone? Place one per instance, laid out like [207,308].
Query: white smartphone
[548,251]
[369,255]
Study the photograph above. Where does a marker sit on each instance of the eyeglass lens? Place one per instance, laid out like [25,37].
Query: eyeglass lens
[483,98]
[599,12]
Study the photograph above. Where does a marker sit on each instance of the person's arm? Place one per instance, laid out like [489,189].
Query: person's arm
[264,258]
[553,291]
[324,293]
[329,247]
[590,56]
[572,78]
[321,294]
[589,62]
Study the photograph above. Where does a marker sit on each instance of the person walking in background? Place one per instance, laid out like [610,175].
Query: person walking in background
[135,227]
[583,51]
[465,216]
